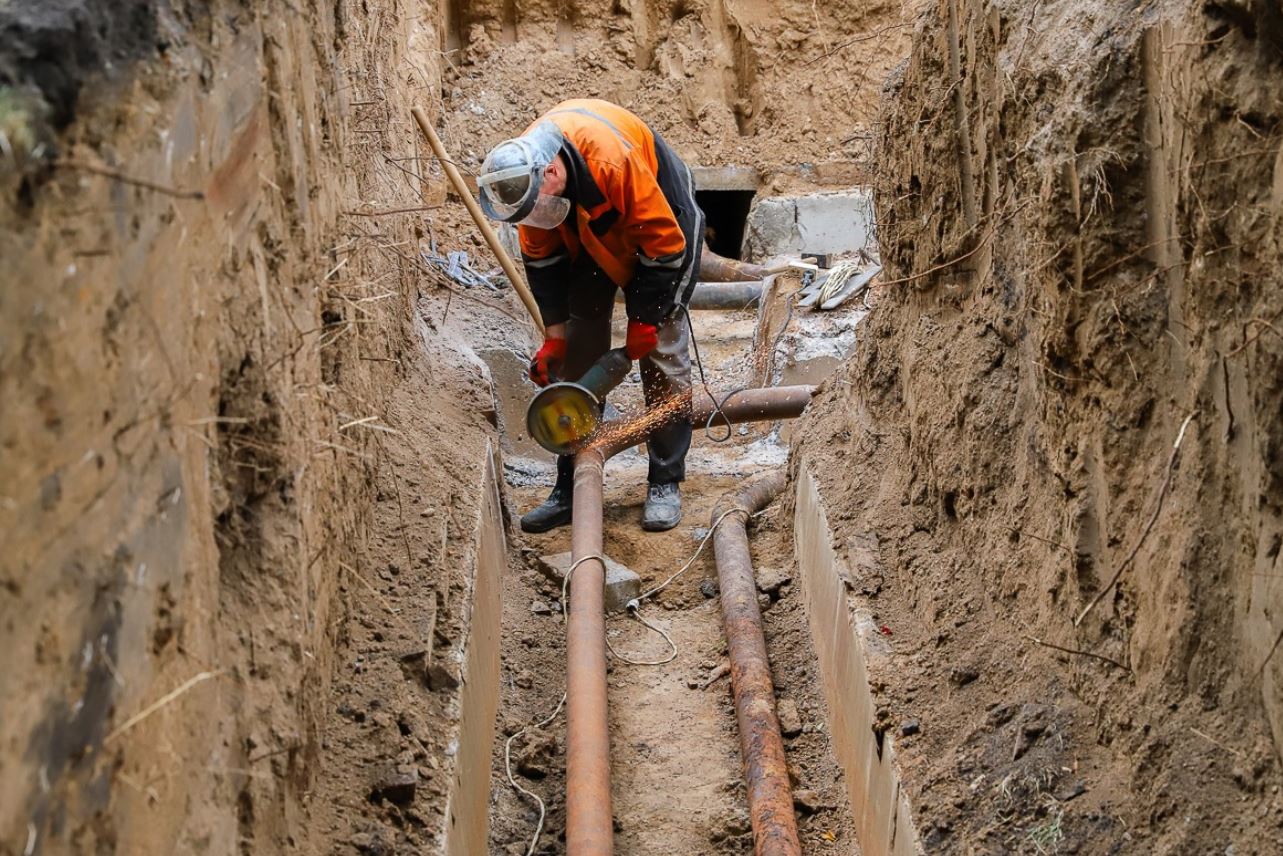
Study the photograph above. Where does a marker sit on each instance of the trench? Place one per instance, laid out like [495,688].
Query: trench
[263,590]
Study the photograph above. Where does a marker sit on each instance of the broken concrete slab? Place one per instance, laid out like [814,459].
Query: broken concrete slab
[622,584]
[824,223]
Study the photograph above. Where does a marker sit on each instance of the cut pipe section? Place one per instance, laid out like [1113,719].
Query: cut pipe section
[726,295]
[770,799]
[715,268]
[589,829]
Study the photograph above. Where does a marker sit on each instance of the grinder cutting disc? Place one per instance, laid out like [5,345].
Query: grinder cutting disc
[562,416]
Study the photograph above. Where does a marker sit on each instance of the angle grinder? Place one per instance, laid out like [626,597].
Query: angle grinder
[562,416]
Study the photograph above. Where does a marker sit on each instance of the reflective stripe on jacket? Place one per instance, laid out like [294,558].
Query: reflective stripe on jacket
[634,214]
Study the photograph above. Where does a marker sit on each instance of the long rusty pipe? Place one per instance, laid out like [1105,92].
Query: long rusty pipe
[589,829]
[770,799]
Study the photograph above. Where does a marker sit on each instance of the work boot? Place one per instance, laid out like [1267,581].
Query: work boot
[552,512]
[663,507]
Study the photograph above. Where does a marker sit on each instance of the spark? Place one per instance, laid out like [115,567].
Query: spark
[622,433]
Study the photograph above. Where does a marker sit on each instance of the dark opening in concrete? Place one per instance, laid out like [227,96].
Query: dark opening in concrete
[726,212]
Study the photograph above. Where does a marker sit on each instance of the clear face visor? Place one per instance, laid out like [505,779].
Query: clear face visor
[513,174]
[549,212]
[507,191]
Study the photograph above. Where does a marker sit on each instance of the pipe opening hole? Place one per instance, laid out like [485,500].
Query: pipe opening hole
[725,212]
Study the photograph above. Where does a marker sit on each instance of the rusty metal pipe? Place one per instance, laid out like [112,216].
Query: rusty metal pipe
[764,404]
[715,268]
[589,829]
[588,811]
[770,799]
[726,295]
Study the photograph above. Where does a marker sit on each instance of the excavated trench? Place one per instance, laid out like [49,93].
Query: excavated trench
[262,588]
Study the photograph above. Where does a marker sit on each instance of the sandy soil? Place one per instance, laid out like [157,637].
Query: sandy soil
[723,81]
[243,421]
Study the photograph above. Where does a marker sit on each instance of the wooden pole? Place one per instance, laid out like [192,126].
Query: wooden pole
[505,261]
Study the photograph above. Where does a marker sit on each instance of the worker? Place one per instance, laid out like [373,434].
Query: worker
[601,202]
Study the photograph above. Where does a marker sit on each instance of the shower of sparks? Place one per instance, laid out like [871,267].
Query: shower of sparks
[621,433]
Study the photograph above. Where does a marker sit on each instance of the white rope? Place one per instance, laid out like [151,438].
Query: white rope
[838,277]
[507,760]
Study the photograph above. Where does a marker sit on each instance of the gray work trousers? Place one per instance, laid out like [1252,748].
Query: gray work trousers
[665,371]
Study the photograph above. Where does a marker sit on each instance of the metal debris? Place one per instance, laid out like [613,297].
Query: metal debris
[455,264]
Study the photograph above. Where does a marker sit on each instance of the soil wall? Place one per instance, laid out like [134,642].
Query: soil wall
[726,82]
[1081,210]
[202,315]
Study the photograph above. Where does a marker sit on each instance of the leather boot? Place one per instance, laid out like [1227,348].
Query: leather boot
[552,512]
[663,507]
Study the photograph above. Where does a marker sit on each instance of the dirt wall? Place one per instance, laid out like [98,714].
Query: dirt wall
[726,82]
[202,313]
[1082,220]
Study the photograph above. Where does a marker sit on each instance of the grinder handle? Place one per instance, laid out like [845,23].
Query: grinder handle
[607,373]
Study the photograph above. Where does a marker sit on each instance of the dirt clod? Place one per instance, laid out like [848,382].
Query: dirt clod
[442,678]
[397,785]
[536,758]
[962,675]
[790,719]
[770,580]
[808,801]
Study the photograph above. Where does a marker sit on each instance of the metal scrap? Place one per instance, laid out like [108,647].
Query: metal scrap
[455,264]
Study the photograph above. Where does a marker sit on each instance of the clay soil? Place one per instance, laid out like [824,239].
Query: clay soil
[1084,621]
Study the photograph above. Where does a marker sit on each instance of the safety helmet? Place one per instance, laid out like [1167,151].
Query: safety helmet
[511,177]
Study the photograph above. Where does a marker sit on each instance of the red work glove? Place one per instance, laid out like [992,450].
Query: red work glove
[642,339]
[547,361]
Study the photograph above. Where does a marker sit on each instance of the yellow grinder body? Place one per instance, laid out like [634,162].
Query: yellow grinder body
[563,416]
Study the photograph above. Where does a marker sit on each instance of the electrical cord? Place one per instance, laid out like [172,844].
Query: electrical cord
[507,760]
[634,605]
[703,379]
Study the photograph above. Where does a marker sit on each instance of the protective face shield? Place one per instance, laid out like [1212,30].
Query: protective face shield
[512,175]
[549,212]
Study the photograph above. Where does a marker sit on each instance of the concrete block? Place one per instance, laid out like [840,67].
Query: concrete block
[467,830]
[825,223]
[622,584]
[725,177]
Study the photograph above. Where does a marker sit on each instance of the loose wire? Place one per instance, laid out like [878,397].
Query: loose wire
[634,605]
[703,379]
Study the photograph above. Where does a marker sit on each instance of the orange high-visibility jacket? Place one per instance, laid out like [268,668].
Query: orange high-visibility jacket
[634,213]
